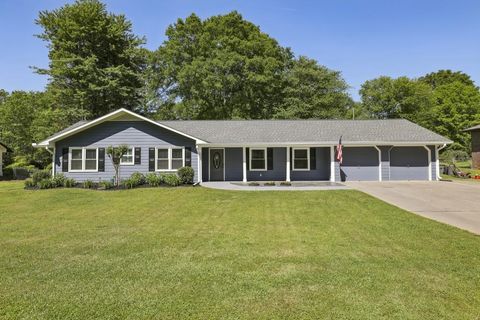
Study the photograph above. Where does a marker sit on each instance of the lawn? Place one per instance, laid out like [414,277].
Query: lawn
[195,253]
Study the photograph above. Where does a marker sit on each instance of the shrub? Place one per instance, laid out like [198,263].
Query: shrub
[171,179]
[46,184]
[29,183]
[285,183]
[186,175]
[153,179]
[137,178]
[59,180]
[129,183]
[451,156]
[269,184]
[69,183]
[253,184]
[7,174]
[105,185]
[40,175]
[88,184]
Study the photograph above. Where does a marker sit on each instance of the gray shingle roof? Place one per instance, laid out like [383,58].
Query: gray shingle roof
[73,126]
[298,131]
[477,127]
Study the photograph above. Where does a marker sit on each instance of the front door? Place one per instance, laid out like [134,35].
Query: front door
[217,164]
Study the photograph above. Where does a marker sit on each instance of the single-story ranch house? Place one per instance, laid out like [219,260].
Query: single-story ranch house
[248,150]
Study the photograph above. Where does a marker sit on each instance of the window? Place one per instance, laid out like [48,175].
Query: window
[129,157]
[83,159]
[301,159]
[170,159]
[258,159]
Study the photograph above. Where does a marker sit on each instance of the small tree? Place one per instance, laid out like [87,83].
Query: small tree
[116,154]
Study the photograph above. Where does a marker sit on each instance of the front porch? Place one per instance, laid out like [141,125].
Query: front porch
[266,186]
[266,163]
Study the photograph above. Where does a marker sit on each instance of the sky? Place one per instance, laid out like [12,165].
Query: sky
[363,39]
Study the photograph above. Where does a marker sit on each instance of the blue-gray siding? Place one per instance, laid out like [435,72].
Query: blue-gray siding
[139,134]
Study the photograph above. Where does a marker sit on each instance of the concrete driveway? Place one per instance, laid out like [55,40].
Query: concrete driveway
[454,203]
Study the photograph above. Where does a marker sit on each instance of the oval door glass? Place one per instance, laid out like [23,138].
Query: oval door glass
[216,160]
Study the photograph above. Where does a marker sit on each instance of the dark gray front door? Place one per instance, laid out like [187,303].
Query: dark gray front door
[217,164]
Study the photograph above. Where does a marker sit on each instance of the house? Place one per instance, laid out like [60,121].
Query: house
[3,149]
[475,132]
[248,150]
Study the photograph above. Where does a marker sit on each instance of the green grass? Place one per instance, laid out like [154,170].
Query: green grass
[205,254]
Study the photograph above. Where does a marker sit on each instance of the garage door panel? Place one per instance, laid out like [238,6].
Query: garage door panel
[408,163]
[360,164]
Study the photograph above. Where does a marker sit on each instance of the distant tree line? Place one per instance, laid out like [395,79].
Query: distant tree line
[222,67]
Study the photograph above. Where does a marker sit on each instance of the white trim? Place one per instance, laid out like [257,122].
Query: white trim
[133,159]
[437,159]
[169,158]
[308,159]
[84,159]
[264,162]
[429,152]
[332,163]
[244,164]
[379,163]
[323,144]
[210,159]
[107,117]
[199,164]
[288,164]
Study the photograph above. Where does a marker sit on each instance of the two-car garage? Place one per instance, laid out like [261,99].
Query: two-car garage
[399,163]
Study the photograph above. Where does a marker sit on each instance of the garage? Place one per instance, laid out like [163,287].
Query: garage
[408,163]
[360,164]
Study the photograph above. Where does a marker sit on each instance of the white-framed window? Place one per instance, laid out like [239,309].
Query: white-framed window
[169,159]
[128,158]
[258,159]
[301,159]
[83,159]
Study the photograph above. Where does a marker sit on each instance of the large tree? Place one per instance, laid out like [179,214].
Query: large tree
[223,67]
[96,61]
[313,91]
[441,77]
[386,97]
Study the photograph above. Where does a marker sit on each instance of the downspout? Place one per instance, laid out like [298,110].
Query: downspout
[437,160]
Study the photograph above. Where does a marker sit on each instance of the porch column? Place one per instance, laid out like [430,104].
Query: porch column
[200,174]
[244,164]
[379,163]
[332,163]
[429,152]
[437,164]
[288,165]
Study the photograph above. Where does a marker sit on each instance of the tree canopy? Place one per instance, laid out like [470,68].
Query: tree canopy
[96,61]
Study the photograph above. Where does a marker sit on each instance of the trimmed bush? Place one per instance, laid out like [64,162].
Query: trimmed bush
[285,183]
[29,183]
[186,175]
[129,183]
[40,175]
[46,184]
[153,179]
[59,180]
[69,183]
[253,184]
[269,184]
[105,185]
[171,179]
[89,184]
[137,178]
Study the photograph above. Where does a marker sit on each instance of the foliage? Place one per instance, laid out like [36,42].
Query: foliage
[115,154]
[222,67]
[40,175]
[442,77]
[313,91]
[21,161]
[386,98]
[171,179]
[135,180]
[106,185]
[269,184]
[89,184]
[7,174]
[253,184]
[29,183]
[59,180]
[46,184]
[69,183]
[285,183]
[95,59]
[451,156]
[186,175]
[153,179]
[457,106]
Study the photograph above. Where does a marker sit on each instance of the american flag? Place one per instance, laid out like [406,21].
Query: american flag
[339,151]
